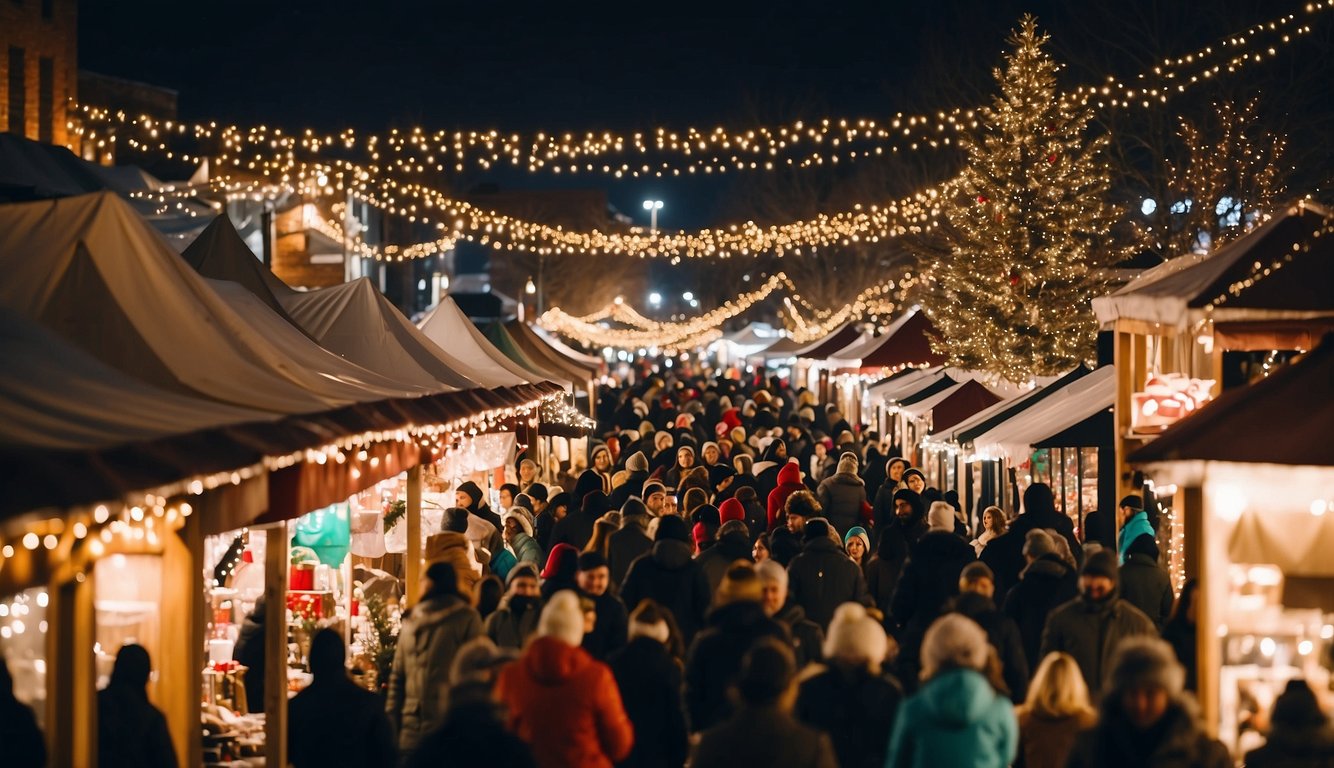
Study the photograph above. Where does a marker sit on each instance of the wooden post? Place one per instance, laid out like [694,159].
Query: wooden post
[1201,567]
[275,644]
[1124,351]
[71,704]
[181,654]
[412,559]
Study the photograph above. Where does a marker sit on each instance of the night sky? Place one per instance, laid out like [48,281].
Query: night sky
[524,66]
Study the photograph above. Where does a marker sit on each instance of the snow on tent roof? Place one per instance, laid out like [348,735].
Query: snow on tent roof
[1063,408]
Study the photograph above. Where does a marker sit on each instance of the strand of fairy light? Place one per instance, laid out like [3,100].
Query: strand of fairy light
[760,148]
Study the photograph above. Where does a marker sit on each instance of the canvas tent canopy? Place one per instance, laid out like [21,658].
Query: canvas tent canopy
[967,430]
[832,343]
[449,328]
[949,406]
[906,343]
[1294,248]
[788,347]
[1061,409]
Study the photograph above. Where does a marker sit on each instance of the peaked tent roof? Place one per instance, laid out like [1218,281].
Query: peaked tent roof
[220,253]
[356,321]
[954,404]
[965,431]
[790,347]
[592,362]
[90,269]
[1180,291]
[906,343]
[1286,418]
[832,343]
[1062,409]
[449,328]
[503,341]
[539,351]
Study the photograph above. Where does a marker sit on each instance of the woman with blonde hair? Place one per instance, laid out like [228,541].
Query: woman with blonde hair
[600,541]
[1056,710]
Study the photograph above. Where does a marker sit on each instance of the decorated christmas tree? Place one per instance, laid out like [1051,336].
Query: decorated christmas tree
[1027,240]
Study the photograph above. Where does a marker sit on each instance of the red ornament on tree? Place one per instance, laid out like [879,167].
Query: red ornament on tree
[981,199]
[1051,159]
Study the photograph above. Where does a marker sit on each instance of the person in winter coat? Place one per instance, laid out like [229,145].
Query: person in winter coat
[1132,522]
[561,701]
[789,482]
[515,620]
[1056,710]
[1004,555]
[822,577]
[956,718]
[763,731]
[756,517]
[473,734]
[431,634]
[249,651]
[1045,583]
[1180,632]
[1092,626]
[334,720]
[561,571]
[732,544]
[931,575]
[22,738]
[600,461]
[895,539]
[650,682]
[976,588]
[685,462]
[1144,719]
[608,633]
[131,732]
[518,534]
[1300,733]
[807,637]
[1145,583]
[993,525]
[669,576]
[587,482]
[842,495]
[470,497]
[631,541]
[637,474]
[736,622]
[851,699]
[577,526]
[882,508]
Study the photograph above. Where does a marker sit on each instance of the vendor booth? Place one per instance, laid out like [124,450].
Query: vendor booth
[1252,476]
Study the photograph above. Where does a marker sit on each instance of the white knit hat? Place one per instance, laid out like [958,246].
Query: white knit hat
[855,637]
[953,641]
[562,618]
[940,516]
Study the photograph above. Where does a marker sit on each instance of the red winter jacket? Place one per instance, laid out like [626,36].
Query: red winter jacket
[566,706]
[789,482]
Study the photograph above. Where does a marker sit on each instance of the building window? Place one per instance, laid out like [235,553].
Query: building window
[46,103]
[17,91]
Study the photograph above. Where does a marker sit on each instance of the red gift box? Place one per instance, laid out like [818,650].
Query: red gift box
[301,578]
[311,605]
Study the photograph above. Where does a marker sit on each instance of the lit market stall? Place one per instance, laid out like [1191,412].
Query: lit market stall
[1252,475]
[904,344]
[1191,327]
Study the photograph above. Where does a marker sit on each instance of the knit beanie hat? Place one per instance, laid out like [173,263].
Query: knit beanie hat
[521,569]
[652,487]
[894,460]
[562,618]
[1145,662]
[1101,563]
[816,528]
[637,462]
[707,514]
[911,471]
[524,501]
[855,637]
[858,532]
[739,583]
[1144,544]
[772,572]
[589,561]
[633,507]
[847,464]
[940,517]
[562,499]
[699,534]
[738,435]
[672,528]
[720,472]
[913,499]
[646,621]
[1132,501]
[954,641]
[563,560]
[454,519]
[731,509]
[1037,543]
[538,491]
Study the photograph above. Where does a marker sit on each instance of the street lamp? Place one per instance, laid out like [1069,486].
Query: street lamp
[653,206]
[655,299]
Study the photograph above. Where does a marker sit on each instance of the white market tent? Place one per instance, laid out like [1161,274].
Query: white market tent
[1054,413]
[449,328]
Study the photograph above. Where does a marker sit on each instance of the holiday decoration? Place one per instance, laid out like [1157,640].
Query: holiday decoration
[1028,237]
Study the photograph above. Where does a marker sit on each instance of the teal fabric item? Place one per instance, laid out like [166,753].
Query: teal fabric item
[503,561]
[328,531]
[1136,526]
[956,719]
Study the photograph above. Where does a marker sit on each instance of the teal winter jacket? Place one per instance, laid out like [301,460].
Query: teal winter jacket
[957,720]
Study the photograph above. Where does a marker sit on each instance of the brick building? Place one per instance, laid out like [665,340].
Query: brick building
[38,68]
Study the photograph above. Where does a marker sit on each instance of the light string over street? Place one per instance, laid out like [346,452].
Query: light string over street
[665,152]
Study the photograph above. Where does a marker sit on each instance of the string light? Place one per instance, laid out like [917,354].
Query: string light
[693,151]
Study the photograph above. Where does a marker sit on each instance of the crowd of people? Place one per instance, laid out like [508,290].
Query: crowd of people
[740,577]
